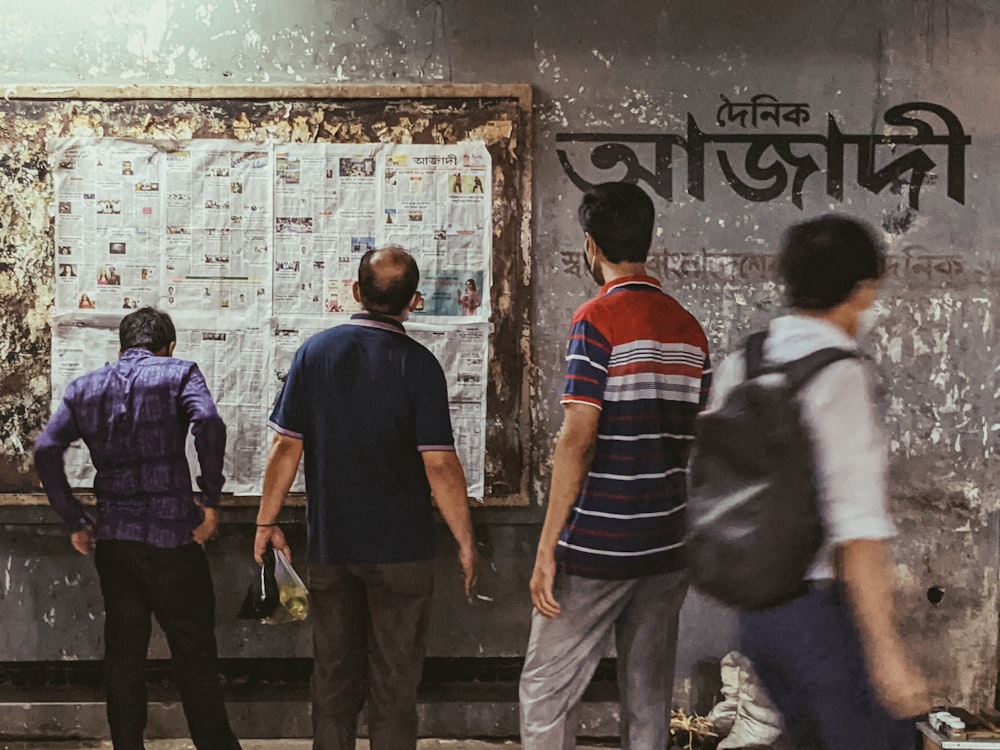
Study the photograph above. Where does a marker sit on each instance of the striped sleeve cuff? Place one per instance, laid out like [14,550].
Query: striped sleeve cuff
[575,399]
[284,430]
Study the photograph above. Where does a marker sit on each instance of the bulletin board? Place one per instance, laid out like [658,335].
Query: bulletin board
[422,120]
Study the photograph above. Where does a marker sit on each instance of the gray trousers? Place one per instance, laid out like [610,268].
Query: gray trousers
[564,652]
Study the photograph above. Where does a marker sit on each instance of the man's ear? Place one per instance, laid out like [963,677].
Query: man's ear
[356,289]
[170,349]
[413,301]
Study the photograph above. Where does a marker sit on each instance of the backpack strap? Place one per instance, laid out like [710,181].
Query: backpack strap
[801,371]
[753,354]
[798,372]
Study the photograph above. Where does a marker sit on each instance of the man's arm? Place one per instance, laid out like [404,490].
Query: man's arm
[279,473]
[210,444]
[50,448]
[573,455]
[869,578]
[447,480]
[850,469]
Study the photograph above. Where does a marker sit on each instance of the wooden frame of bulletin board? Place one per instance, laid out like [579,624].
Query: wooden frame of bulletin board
[497,114]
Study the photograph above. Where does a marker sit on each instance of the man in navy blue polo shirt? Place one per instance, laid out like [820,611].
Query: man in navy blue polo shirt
[368,406]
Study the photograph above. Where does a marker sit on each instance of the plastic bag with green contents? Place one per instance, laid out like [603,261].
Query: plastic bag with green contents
[277,595]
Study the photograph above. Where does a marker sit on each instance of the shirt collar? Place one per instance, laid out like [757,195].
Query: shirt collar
[627,280]
[136,352]
[374,320]
[793,336]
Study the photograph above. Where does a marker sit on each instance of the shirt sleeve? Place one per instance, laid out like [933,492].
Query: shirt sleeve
[433,417]
[587,358]
[850,455]
[209,435]
[50,448]
[289,414]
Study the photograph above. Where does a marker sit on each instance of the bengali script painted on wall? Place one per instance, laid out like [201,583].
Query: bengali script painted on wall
[779,153]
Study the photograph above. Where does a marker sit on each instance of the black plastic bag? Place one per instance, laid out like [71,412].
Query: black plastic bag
[277,595]
[262,597]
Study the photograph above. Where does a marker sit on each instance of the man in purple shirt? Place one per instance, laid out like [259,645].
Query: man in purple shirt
[134,416]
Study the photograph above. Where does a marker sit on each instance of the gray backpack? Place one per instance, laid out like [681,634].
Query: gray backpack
[754,523]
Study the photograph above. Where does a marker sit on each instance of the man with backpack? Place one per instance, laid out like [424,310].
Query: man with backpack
[828,653]
[611,553]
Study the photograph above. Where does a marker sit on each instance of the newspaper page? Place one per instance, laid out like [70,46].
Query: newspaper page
[185,227]
[463,351]
[108,207]
[235,362]
[436,203]
[252,248]
[217,232]
[325,201]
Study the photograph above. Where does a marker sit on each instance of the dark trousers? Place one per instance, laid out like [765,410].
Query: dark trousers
[808,656]
[139,580]
[369,639]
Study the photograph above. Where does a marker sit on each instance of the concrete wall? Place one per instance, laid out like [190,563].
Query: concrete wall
[642,68]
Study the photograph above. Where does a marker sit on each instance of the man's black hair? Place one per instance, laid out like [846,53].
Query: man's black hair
[823,259]
[146,328]
[390,295]
[620,218]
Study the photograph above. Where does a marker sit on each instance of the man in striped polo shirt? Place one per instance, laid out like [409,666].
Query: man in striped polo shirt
[611,552]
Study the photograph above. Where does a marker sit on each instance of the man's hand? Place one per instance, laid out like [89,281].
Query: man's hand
[468,558]
[83,540]
[542,580]
[206,530]
[570,464]
[274,536]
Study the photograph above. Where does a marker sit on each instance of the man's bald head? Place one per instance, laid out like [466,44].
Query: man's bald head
[387,280]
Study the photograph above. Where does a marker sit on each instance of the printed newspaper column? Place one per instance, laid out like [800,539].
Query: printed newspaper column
[109,206]
[234,361]
[436,202]
[462,351]
[219,276]
[325,197]
[219,250]
[287,337]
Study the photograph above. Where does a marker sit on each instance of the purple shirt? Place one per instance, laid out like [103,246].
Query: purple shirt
[134,417]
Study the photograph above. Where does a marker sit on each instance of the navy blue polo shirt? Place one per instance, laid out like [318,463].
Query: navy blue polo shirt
[366,400]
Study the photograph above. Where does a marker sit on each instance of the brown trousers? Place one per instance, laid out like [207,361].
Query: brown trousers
[369,638]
